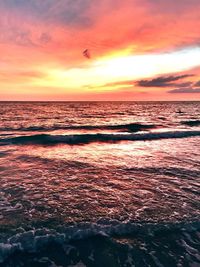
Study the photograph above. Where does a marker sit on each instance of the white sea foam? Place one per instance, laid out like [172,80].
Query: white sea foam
[37,239]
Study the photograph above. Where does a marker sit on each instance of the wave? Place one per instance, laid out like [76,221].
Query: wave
[37,239]
[131,127]
[191,123]
[76,139]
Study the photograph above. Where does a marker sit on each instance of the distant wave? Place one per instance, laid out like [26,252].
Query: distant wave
[191,123]
[76,139]
[131,127]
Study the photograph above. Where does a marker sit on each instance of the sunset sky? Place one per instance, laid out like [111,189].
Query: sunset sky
[140,50]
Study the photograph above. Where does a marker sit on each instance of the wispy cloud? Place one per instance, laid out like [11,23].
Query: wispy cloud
[156,24]
[45,38]
[70,12]
[21,76]
[172,81]
[197,84]
[163,81]
[189,90]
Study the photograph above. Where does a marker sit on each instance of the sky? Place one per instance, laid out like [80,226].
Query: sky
[139,50]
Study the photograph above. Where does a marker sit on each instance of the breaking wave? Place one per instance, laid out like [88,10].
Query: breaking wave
[191,123]
[75,139]
[34,242]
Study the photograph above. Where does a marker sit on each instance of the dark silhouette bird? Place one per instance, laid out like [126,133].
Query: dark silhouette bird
[86,53]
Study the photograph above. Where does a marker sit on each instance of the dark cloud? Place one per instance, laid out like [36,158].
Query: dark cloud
[189,90]
[184,84]
[197,83]
[172,81]
[73,13]
[162,81]
[70,12]
[157,82]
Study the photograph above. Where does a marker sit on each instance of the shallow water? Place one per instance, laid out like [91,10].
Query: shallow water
[93,184]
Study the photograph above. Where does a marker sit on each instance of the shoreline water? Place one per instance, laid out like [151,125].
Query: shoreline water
[76,191]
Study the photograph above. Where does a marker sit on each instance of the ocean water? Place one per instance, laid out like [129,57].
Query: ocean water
[100,184]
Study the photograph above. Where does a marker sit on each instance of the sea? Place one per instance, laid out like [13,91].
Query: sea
[99,184]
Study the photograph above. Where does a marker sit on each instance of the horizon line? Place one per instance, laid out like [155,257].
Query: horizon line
[65,101]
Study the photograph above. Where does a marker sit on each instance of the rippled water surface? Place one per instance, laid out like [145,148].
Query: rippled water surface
[93,184]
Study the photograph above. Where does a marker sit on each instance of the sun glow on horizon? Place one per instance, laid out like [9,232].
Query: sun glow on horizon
[143,66]
[119,68]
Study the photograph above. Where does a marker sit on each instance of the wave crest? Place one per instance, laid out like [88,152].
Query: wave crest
[76,139]
[131,127]
[191,123]
[35,240]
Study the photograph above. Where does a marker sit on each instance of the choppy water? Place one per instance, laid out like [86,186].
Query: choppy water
[100,184]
